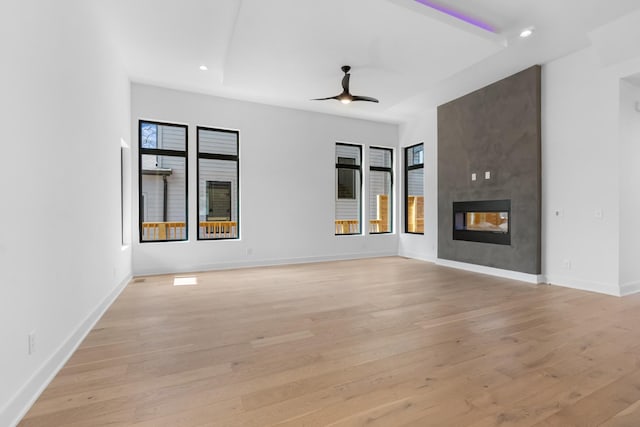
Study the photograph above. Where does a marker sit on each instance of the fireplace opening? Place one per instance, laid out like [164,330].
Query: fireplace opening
[485,221]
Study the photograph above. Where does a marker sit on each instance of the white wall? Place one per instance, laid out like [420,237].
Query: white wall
[64,109]
[591,153]
[629,186]
[287,183]
[421,130]
[587,166]
[580,154]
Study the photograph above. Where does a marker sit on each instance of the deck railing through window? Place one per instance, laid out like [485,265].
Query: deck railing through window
[347,226]
[176,230]
[218,229]
[163,231]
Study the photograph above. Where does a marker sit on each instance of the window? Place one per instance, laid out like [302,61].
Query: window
[348,189]
[218,197]
[162,181]
[346,179]
[380,190]
[414,189]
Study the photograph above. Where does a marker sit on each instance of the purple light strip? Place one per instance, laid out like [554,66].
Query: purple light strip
[458,15]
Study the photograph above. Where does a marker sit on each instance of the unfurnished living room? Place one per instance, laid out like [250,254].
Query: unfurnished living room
[320,213]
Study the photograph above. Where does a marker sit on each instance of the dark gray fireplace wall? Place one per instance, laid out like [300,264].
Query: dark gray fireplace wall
[495,129]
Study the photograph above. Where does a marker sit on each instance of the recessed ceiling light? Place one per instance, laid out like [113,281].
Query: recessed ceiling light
[527,32]
[203,68]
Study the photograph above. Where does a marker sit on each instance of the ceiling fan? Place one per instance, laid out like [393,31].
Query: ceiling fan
[345,97]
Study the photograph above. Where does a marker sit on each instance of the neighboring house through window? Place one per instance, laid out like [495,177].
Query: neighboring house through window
[218,179]
[380,190]
[348,216]
[414,189]
[162,181]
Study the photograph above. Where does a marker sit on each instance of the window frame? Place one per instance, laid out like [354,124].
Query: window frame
[408,168]
[390,171]
[169,153]
[354,167]
[213,156]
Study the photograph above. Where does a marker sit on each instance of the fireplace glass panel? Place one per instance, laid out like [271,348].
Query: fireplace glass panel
[496,222]
[486,221]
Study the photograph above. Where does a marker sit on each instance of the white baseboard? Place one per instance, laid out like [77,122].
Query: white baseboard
[584,285]
[629,288]
[22,401]
[259,263]
[507,274]
[418,256]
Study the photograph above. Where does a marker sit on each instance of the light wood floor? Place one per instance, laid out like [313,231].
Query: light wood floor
[380,342]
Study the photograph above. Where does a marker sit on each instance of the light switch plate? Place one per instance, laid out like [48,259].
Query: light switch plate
[487,175]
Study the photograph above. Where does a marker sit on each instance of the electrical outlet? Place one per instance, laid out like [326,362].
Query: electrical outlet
[32,342]
[249,251]
[566,264]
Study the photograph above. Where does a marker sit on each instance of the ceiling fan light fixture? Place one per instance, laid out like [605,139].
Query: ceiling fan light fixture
[346,97]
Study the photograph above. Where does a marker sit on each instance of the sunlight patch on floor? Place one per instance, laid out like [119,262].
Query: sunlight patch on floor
[185,281]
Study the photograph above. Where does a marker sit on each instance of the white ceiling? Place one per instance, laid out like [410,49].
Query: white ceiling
[285,52]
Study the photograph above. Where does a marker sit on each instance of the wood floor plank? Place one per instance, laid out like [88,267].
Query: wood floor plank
[279,339]
[628,417]
[386,341]
[603,404]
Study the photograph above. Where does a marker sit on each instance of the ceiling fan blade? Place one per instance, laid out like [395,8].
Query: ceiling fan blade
[324,99]
[364,98]
[345,82]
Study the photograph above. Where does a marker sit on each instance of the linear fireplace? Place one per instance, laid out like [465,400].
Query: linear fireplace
[486,221]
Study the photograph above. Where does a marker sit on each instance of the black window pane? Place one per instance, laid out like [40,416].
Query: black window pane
[415,201]
[217,142]
[346,179]
[163,209]
[218,186]
[164,137]
[148,135]
[415,155]
[351,152]
[380,202]
[379,157]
